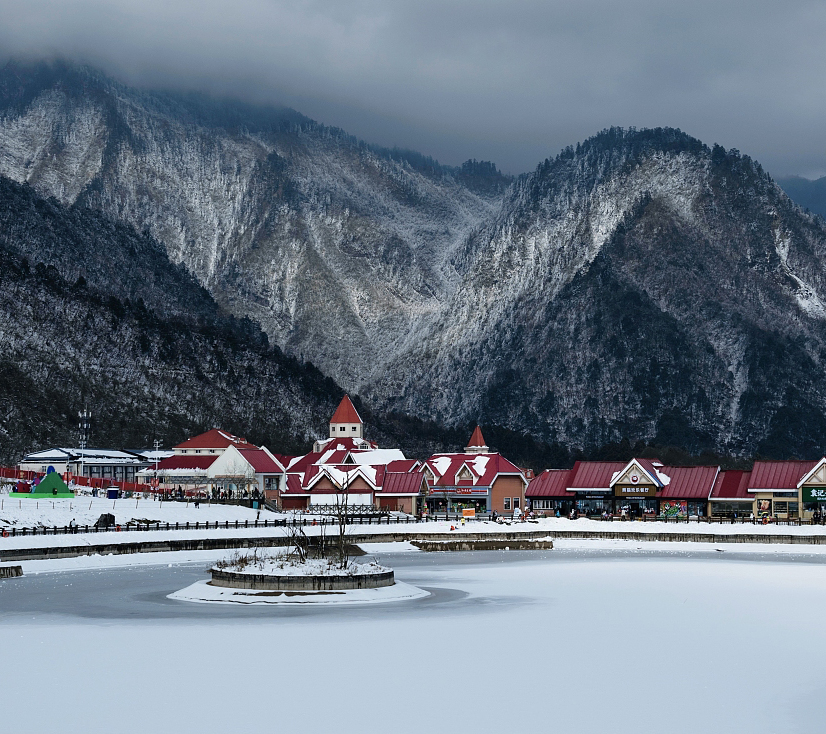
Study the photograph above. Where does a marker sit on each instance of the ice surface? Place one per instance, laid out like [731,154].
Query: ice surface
[560,641]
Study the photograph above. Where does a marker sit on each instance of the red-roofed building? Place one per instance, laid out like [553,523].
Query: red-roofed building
[634,488]
[213,442]
[185,472]
[256,473]
[476,479]
[367,487]
[730,495]
[373,478]
[788,489]
[549,491]
[346,421]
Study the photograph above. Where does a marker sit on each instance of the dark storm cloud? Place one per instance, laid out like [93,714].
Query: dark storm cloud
[508,81]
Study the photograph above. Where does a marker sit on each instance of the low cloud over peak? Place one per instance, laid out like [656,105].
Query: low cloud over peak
[510,82]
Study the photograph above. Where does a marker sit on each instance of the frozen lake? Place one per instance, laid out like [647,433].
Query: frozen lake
[566,640]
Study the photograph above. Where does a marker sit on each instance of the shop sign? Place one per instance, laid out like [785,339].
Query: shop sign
[469,512]
[641,491]
[814,494]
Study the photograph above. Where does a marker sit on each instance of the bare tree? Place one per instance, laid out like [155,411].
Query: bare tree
[341,520]
[298,543]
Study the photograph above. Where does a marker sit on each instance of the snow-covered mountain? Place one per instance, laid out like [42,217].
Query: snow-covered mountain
[333,247]
[640,285]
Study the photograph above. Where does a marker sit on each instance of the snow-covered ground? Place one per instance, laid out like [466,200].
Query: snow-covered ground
[86,510]
[272,563]
[202,592]
[221,513]
[562,640]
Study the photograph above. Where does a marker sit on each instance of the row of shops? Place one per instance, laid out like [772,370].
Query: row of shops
[779,490]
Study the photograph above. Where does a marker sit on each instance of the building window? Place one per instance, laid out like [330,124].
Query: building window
[342,428]
[515,503]
[355,428]
[212,451]
[183,451]
[507,503]
[197,451]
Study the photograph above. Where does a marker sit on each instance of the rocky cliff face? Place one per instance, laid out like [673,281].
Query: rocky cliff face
[640,285]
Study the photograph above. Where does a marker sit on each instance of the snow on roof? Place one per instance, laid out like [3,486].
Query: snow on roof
[479,464]
[441,464]
[58,454]
[446,467]
[377,456]
[152,455]
[63,454]
[198,461]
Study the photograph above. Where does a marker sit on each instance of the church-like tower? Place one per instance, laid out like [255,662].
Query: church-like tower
[346,422]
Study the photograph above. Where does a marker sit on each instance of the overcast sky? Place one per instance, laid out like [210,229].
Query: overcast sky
[512,82]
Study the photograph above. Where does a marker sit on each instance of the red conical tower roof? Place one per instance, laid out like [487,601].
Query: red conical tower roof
[477,439]
[346,412]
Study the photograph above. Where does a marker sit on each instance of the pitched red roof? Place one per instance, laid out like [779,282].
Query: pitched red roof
[201,461]
[215,439]
[550,483]
[651,466]
[294,485]
[732,484]
[403,465]
[477,439]
[781,476]
[484,469]
[594,474]
[402,483]
[688,482]
[261,461]
[346,412]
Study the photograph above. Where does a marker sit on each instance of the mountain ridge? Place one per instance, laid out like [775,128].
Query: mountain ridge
[455,302]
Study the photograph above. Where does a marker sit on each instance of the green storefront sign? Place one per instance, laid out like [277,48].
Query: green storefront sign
[814,494]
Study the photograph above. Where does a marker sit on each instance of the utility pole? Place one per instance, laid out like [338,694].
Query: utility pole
[84,424]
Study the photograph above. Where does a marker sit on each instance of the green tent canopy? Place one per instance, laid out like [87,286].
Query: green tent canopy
[52,485]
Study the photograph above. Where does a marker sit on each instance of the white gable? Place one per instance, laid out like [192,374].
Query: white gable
[817,475]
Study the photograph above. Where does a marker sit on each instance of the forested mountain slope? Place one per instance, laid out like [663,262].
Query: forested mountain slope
[92,313]
[640,285]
